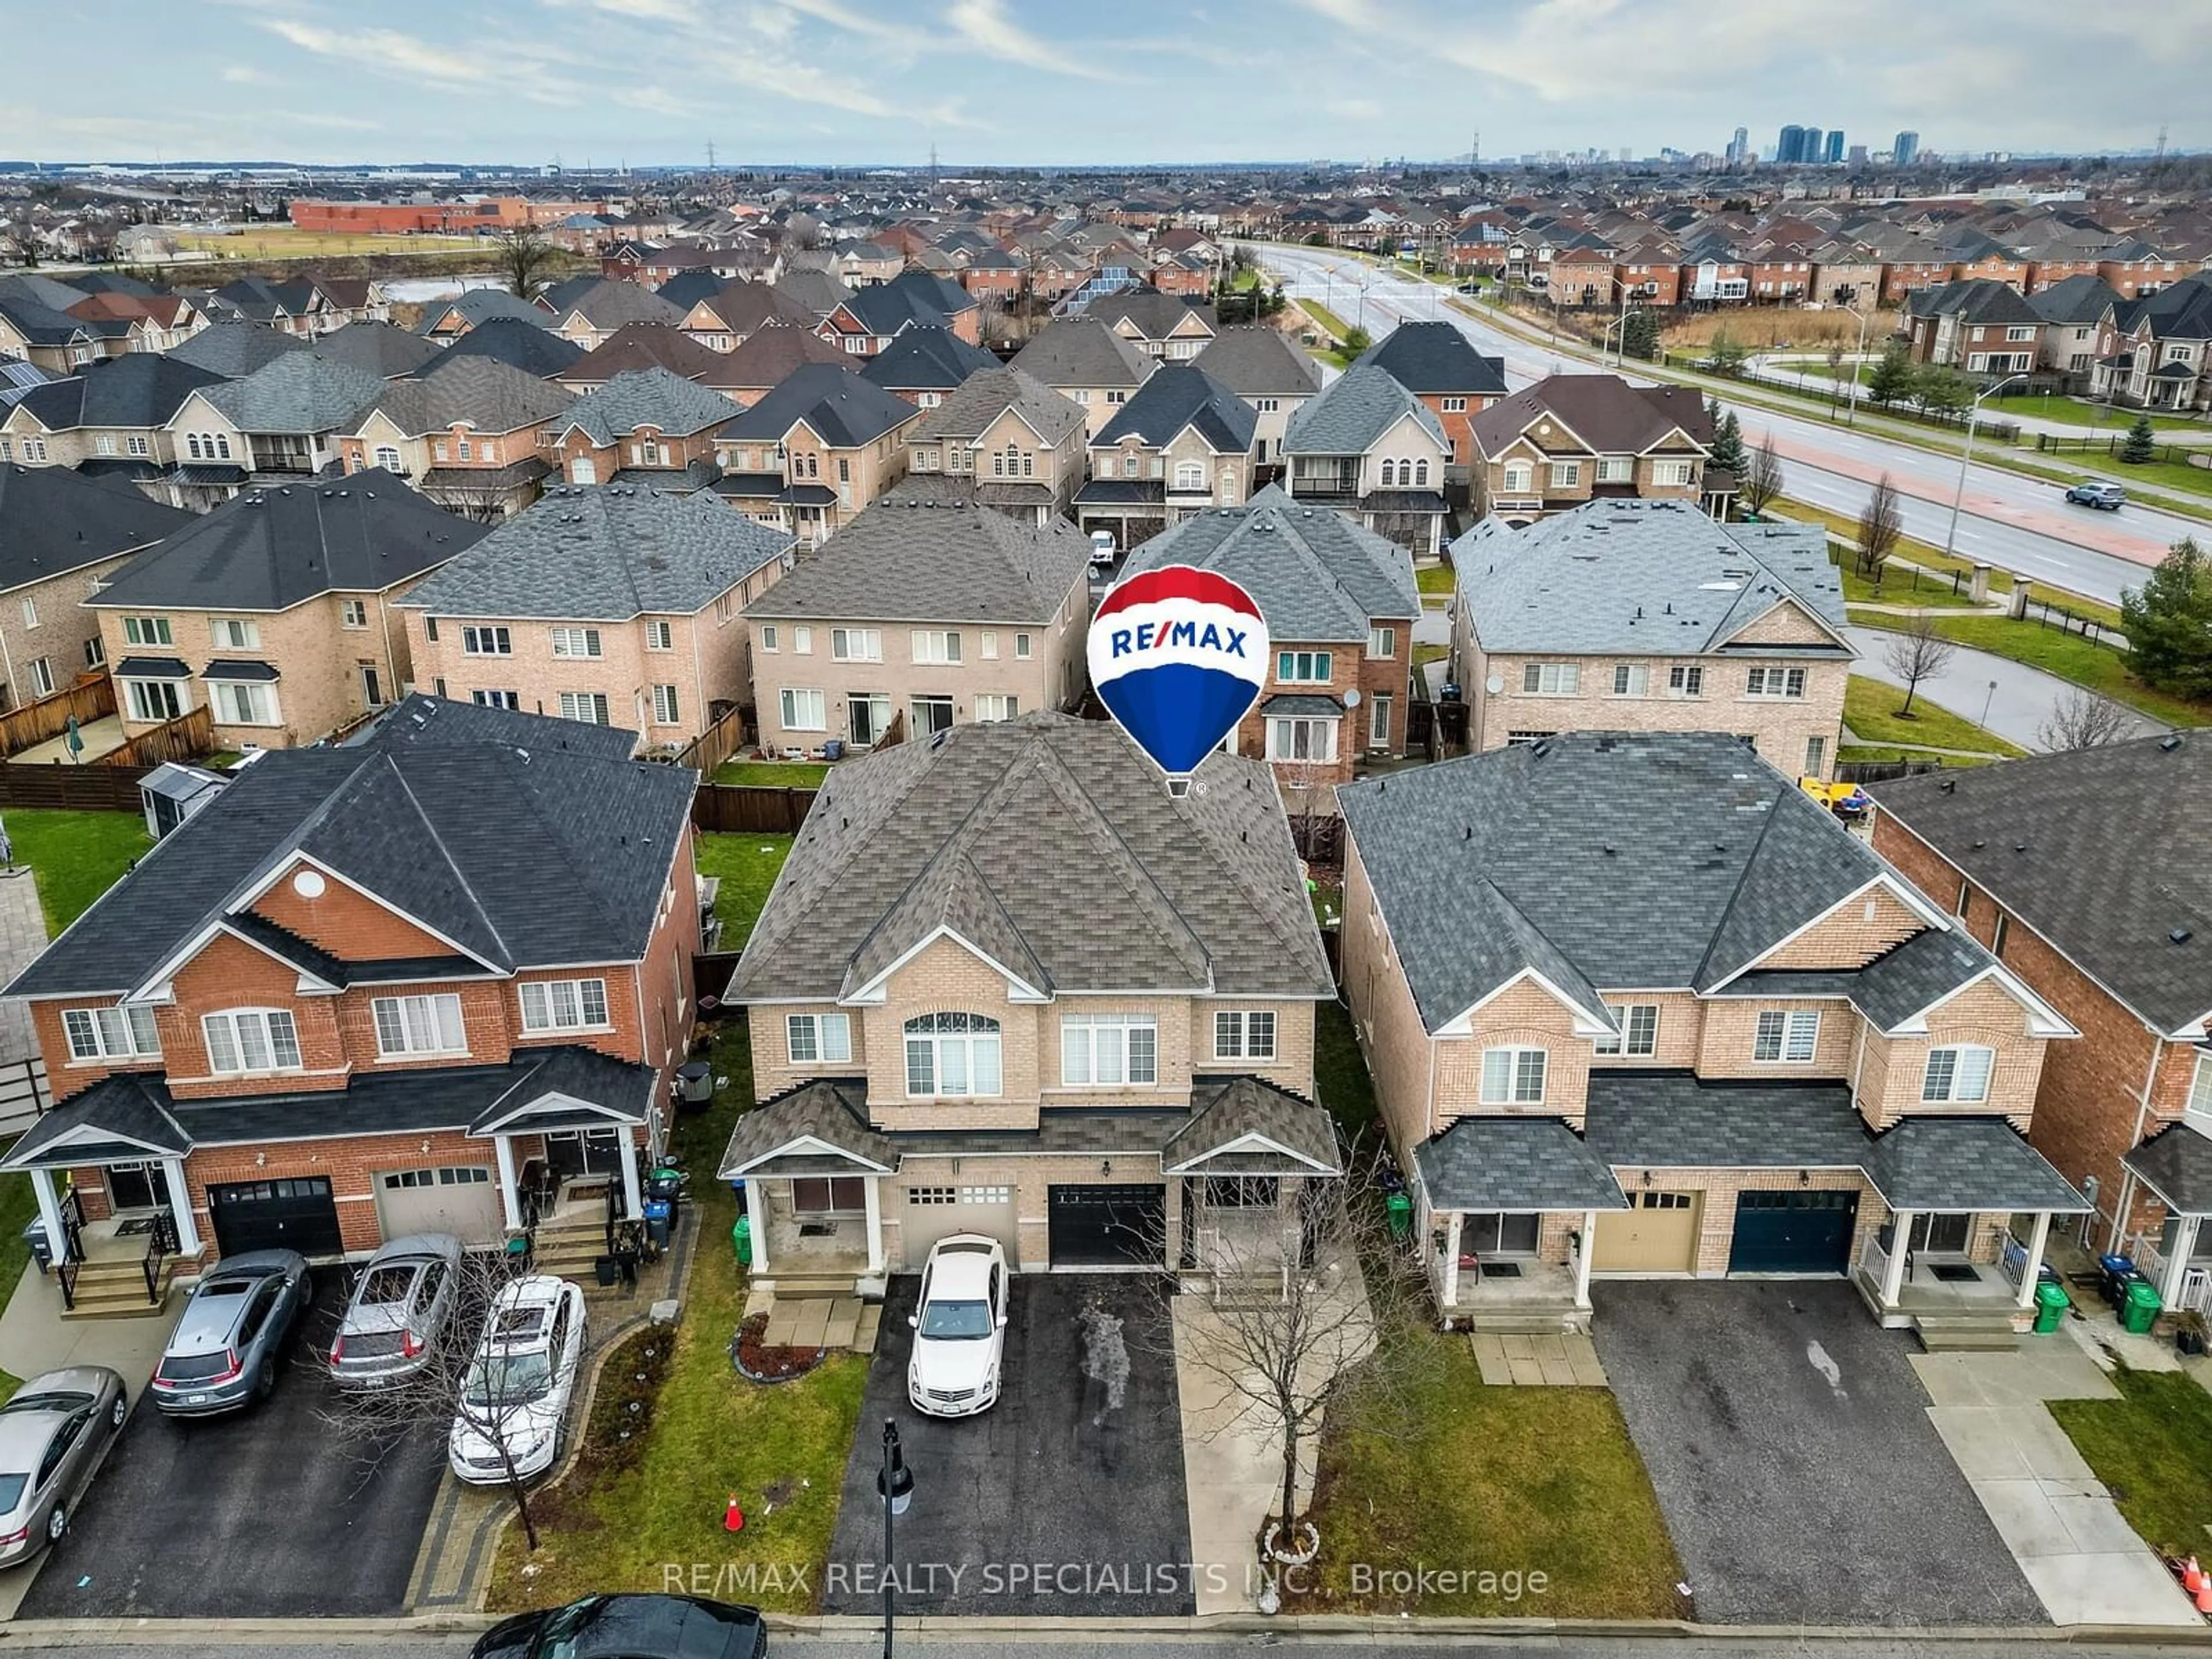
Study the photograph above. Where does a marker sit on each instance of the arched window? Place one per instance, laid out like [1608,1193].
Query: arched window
[1421,473]
[952,1054]
[1189,475]
[387,457]
[1389,474]
[192,445]
[222,445]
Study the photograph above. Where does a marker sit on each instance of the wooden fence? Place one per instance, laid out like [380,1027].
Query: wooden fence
[73,788]
[715,745]
[1883,771]
[23,1095]
[750,809]
[187,738]
[48,717]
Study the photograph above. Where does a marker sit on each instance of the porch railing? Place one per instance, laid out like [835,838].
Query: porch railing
[2013,1259]
[2144,1253]
[162,1245]
[1874,1262]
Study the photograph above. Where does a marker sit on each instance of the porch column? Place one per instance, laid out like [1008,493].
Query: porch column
[1900,1241]
[757,1214]
[49,1214]
[510,1198]
[1582,1258]
[871,1190]
[1452,1260]
[633,1196]
[2036,1240]
[180,1206]
[2184,1246]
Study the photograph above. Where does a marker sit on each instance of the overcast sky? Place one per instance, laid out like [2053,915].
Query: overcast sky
[1053,81]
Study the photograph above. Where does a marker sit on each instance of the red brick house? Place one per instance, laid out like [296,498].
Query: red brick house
[331,1009]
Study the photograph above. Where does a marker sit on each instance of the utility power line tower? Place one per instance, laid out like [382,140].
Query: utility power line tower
[2160,156]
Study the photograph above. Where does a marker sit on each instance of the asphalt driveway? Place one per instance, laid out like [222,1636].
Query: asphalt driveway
[255,1515]
[1789,1441]
[1065,1498]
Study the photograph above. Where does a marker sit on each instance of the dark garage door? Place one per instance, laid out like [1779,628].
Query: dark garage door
[1805,1231]
[294,1214]
[1107,1226]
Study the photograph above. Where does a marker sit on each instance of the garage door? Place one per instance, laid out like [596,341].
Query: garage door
[295,1214]
[1107,1226]
[460,1198]
[929,1213]
[1657,1234]
[1807,1230]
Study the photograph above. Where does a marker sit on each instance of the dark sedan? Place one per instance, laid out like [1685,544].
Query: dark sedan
[629,1627]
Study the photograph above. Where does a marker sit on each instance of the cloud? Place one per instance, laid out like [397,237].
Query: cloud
[984,25]
[383,49]
[245,75]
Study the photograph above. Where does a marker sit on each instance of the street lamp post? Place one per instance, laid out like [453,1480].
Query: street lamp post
[1857,365]
[1966,456]
[895,1483]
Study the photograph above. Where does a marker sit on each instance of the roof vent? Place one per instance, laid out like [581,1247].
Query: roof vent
[2170,742]
[2179,936]
[1947,785]
[2020,846]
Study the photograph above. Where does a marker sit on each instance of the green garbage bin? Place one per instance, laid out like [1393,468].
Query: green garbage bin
[742,1236]
[1398,1209]
[2141,1310]
[2050,1304]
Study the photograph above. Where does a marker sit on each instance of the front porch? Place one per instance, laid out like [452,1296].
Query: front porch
[2174,1167]
[1947,1298]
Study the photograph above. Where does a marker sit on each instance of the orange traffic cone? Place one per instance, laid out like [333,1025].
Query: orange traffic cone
[2193,1577]
[2204,1598]
[733,1518]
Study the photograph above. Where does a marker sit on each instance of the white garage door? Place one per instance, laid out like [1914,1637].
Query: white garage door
[461,1199]
[933,1212]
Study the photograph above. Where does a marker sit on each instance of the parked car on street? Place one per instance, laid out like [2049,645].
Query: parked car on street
[231,1338]
[1102,549]
[514,1401]
[960,1328]
[633,1626]
[2095,492]
[398,1311]
[53,1435]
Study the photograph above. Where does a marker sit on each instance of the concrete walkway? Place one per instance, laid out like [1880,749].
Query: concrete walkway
[1776,369]
[101,737]
[22,936]
[2076,1552]
[2021,701]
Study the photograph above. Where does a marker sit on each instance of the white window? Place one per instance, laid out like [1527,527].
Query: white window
[804,711]
[936,645]
[42,676]
[112,1034]
[563,1004]
[486,642]
[491,699]
[153,701]
[1816,756]
[242,702]
[1631,679]
[815,1039]
[388,457]
[1247,1034]
[135,444]
[1774,682]
[1021,645]
[1520,477]
[987,645]
[952,1055]
[146,630]
[1454,405]
[997,706]
[1301,738]
[1639,1031]
[576,641]
[1189,475]
[1513,1076]
[1686,679]
[1960,1074]
[1675,474]
[1617,469]
[95,653]
[235,634]
[1786,1034]
[353,613]
[1552,679]
[251,1040]
[767,637]
[419,1026]
[589,707]
[1382,642]
[802,641]
[1103,1049]
[1566,475]
[1302,667]
[30,613]
[664,706]
[659,635]
[856,645]
[2200,1087]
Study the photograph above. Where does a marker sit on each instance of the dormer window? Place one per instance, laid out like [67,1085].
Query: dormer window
[242,1040]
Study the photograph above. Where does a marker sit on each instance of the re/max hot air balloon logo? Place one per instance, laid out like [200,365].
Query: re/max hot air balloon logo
[1178,655]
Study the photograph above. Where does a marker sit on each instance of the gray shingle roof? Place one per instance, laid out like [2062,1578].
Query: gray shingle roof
[1515,1164]
[1082,351]
[380,348]
[2080,300]
[646,397]
[1672,1121]
[925,360]
[481,392]
[842,409]
[1316,575]
[1966,1164]
[1180,396]
[608,304]
[419,720]
[53,521]
[603,553]
[300,393]
[1359,406]
[2176,1164]
[919,562]
[268,549]
[1641,578]
[1228,1113]
[1259,362]
[1154,314]
[514,341]
[2105,852]
[1436,357]
[235,350]
[479,306]
[138,389]
[1053,839]
[1604,412]
[986,395]
[830,1110]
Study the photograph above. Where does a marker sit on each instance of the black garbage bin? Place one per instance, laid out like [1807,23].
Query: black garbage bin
[695,1086]
[34,1234]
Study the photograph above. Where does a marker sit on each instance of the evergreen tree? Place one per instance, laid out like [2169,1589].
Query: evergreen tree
[1728,444]
[1639,335]
[1726,354]
[2141,444]
[1892,379]
[2168,622]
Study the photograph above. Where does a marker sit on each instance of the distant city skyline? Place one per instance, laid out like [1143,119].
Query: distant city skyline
[1031,82]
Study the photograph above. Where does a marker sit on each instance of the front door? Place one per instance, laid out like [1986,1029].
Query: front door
[371,687]
[1941,1235]
[134,1186]
[1657,1234]
[583,1151]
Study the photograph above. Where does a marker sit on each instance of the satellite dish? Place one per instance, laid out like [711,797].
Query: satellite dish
[1494,685]
[1352,698]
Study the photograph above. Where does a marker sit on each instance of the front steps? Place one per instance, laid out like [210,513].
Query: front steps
[117,1290]
[1965,1332]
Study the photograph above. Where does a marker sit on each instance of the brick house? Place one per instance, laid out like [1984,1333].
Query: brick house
[467,434]
[587,310]
[1637,1004]
[1979,325]
[1017,444]
[110,420]
[931,614]
[1440,366]
[1088,364]
[1649,616]
[814,451]
[1268,370]
[1574,438]
[1163,327]
[647,426]
[2084,873]
[866,322]
[1110,1068]
[1369,446]
[2156,352]
[2073,310]
[333,1008]
[925,365]
[280,424]
[1340,602]
[1181,444]
[733,313]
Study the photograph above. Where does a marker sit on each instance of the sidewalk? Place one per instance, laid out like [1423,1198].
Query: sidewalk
[2021,700]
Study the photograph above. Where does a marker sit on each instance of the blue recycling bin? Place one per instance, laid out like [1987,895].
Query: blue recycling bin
[656,1214]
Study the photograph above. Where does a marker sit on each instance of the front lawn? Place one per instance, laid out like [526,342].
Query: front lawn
[775,774]
[2080,411]
[1437,581]
[747,865]
[76,856]
[1870,709]
[779,1448]
[2072,657]
[1506,1481]
[2153,1449]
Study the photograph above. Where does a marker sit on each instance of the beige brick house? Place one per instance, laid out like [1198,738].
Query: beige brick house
[466,433]
[1182,443]
[1574,438]
[815,452]
[611,604]
[1637,1004]
[1017,443]
[934,614]
[1369,446]
[110,420]
[1007,985]
[1649,617]
[1088,364]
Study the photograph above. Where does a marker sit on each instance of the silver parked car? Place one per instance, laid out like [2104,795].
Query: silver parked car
[398,1311]
[53,1435]
[231,1338]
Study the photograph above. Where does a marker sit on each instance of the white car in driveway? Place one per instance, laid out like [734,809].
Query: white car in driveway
[960,1328]
[516,1391]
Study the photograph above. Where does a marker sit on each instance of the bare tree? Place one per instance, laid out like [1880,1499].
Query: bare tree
[2083,719]
[1762,479]
[525,257]
[1881,522]
[1916,653]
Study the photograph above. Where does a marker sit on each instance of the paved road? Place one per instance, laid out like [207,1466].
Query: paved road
[2017,699]
[2017,523]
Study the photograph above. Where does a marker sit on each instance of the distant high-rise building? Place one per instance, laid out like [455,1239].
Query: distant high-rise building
[1859,156]
[1790,146]
[1834,155]
[1813,137]
[1906,150]
[1738,146]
